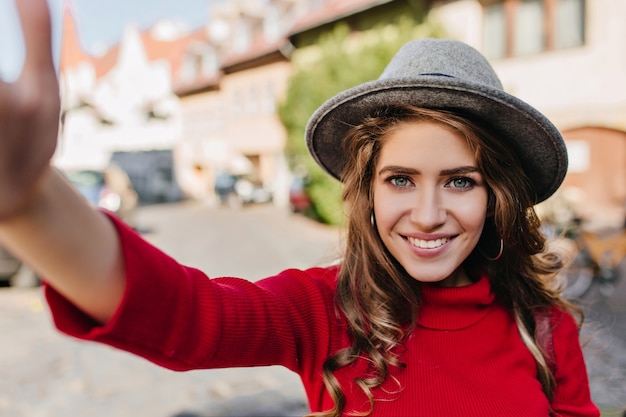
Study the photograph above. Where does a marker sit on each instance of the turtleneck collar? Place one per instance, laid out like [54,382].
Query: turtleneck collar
[454,308]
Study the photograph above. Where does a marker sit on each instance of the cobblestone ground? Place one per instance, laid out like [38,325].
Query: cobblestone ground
[604,338]
[45,374]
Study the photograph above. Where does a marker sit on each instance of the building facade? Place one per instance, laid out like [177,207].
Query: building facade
[564,58]
[229,106]
[561,56]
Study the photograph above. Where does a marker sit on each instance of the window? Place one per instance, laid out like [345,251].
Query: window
[268,100]
[252,100]
[209,63]
[495,31]
[570,23]
[578,152]
[236,103]
[272,23]
[242,38]
[187,70]
[198,62]
[526,27]
[528,36]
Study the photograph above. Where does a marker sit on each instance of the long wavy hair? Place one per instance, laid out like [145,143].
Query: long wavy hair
[378,298]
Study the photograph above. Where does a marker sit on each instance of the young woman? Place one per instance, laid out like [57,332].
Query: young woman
[442,304]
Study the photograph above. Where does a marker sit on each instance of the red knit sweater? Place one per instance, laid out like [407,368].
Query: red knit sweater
[465,358]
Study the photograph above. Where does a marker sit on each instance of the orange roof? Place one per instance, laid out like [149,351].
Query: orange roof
[201,83]
[259,48]
[105,63]
[331,11]
[172,51]
[71,52]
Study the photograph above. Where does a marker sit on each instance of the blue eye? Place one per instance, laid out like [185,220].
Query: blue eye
[461,183]
[399,182]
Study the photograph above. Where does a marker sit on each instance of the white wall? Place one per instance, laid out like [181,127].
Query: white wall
[121,97]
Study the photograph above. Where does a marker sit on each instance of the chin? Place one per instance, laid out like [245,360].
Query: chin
[433,275]
[424,276]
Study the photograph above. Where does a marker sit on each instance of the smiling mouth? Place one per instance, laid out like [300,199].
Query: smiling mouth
[427,244]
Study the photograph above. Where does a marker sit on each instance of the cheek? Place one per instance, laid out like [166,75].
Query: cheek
[471,213]
[387,206]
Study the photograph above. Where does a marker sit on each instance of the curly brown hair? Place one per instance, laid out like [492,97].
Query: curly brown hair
[378,298]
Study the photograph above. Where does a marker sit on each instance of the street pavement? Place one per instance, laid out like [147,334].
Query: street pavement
[46,374]
[604,341]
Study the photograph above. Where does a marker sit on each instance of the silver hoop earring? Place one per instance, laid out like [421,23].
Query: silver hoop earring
[372,220]
[498,256]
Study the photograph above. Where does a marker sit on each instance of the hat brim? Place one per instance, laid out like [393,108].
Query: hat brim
[536,141]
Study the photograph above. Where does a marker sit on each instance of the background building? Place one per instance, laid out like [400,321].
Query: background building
[209,97]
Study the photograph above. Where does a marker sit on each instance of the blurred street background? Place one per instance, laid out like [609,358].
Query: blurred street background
[187,120]
[46,374]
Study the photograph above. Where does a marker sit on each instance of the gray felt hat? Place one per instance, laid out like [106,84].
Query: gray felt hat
[444,74]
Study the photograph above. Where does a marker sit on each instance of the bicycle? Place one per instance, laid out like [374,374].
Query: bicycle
[597,262]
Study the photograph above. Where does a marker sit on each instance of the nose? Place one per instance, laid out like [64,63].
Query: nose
[428,212]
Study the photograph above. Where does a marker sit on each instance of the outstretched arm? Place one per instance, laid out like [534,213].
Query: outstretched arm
[43,220]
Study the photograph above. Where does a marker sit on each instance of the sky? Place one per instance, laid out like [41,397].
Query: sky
[100,23]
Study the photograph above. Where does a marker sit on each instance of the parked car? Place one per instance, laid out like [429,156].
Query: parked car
[224,188]
[251,190]
[9,266]
[109,189]
[237,190]
[299,200]
[14,272]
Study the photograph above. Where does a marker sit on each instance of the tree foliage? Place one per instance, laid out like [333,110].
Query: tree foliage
[339,61]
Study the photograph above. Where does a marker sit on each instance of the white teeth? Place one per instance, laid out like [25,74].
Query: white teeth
[428,244]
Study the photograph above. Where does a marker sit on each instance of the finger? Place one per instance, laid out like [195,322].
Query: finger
[36,29]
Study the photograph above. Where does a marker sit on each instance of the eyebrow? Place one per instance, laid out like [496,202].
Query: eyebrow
[400,170]
[460,170]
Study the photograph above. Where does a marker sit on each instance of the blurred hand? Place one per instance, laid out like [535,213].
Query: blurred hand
[29,112]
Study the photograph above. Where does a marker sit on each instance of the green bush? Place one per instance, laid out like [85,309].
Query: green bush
[339,61]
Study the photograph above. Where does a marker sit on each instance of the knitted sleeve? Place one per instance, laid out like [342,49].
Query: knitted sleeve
[175,316]
[572,397]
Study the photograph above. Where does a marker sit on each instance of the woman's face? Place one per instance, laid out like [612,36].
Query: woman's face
[430,201]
